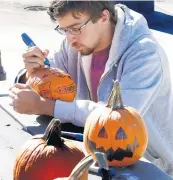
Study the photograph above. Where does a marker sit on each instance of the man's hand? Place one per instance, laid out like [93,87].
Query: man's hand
[27,101]
[24,99]
[33,59]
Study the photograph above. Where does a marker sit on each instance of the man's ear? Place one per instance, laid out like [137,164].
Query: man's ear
[105,16]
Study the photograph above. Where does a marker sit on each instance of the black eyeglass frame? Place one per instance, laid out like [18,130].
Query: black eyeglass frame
[78,30]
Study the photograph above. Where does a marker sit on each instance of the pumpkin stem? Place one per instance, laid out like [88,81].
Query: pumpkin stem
[115,100]
[81,167]
[52,133]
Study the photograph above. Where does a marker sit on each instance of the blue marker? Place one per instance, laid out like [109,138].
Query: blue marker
[72,135]
[29,42]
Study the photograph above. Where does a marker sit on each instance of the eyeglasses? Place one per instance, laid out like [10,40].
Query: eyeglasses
[72,31]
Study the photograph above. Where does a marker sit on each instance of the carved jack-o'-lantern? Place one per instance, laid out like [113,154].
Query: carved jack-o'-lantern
[118,131]
[53,83]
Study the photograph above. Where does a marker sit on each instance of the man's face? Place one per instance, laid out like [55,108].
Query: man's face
[89,38]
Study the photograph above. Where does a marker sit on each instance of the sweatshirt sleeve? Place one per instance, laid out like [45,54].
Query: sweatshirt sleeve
[141,76]
[75,112]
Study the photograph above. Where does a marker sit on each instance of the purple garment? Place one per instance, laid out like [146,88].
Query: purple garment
[98,63]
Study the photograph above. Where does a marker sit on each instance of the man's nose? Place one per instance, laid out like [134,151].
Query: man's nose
[70,38]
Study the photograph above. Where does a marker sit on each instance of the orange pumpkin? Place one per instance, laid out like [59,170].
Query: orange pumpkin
[53,83]
[116,130]
[48,156]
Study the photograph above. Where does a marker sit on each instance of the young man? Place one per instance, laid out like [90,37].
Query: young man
[103,44]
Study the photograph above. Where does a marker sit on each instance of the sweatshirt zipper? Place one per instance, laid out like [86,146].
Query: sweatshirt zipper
[103,79]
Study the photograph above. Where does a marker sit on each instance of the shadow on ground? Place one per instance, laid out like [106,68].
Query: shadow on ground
[44,120]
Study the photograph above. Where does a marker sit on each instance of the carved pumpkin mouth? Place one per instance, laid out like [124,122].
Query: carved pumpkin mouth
[119,154]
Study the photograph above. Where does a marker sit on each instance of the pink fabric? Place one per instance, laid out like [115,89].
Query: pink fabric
[98,63]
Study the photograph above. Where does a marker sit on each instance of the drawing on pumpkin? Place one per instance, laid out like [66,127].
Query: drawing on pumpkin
[48,81]
[62,90]
[45,93]
[45,86]
[103,133]
[71,88]
[119,154]
[65,89]
[45,89]
[45,75]
[120,134]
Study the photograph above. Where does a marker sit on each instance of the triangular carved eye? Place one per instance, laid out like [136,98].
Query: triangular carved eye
[120,134]
[103,133]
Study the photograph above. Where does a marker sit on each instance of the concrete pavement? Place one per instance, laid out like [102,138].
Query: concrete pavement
[12,136]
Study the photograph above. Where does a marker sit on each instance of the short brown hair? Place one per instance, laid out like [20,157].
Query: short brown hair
[59,8]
